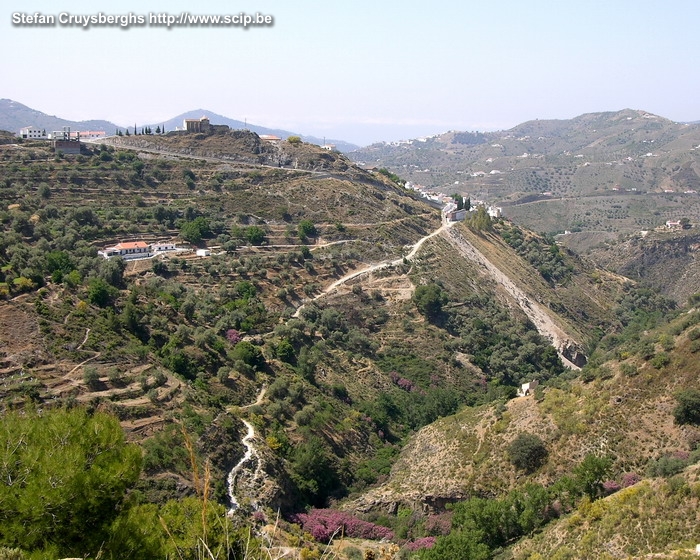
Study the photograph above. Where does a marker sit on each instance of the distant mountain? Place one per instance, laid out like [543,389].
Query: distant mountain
[605,173]
[14,115]
[215,118]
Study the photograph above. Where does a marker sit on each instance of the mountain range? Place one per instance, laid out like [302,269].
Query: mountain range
[14,115]
[604,173]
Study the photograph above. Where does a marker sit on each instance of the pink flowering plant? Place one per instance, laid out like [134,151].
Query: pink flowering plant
[322,524]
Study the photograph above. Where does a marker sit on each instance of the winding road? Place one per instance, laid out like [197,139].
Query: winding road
[371,268]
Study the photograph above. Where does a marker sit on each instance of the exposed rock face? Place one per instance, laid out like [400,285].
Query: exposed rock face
[572,352]
[569,352]
[669,262]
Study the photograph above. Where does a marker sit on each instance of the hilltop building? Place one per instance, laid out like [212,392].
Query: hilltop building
[196,125]
[494,211]
[137,249]
[526,389]
[32,132]
[62,142]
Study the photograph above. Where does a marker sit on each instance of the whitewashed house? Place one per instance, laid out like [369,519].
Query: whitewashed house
[127,250]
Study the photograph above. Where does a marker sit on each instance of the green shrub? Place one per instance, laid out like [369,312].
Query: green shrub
[248,354]
[662,359]
[74,469]
[687,411]
[429,300]
[91,377]
[100,293]
[694,334]
[666,466]
[527,452]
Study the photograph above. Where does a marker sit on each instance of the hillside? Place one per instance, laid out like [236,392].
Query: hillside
[607,173]
[335,320]
[242,147]
[14,115]
[215,118]
[666,260]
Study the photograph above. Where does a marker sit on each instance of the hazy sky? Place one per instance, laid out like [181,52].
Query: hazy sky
[361,71]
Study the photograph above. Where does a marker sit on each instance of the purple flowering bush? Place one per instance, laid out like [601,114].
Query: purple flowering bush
[630,479]
[323,523]
[425,542]
[233,336]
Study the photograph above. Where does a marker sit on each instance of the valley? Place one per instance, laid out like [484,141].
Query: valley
[341,365]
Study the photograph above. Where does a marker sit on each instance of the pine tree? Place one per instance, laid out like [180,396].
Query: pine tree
[157,130]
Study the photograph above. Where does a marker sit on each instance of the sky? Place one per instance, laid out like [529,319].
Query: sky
[360,71]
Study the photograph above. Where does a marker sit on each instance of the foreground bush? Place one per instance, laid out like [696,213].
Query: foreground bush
[62,472]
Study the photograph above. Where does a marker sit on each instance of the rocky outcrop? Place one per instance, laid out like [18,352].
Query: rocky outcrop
[569,351]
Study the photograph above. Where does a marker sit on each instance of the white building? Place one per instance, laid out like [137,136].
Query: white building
[494,211]
[127,250]
[32,132]
[162,247]
[203,253]
[526,389]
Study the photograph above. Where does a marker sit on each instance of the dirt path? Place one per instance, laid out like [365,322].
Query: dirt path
[378,266]
[543,322]
[250,454]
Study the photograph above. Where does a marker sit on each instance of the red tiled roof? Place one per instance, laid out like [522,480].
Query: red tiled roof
[132,245]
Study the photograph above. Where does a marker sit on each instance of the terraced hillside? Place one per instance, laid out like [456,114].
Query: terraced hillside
[335,314]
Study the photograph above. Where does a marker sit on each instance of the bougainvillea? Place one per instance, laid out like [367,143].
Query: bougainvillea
[610,487]
[233,336]
[425,542]
[630,479]
[324,523]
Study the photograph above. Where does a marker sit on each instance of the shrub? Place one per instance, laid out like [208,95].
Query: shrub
[527,452]
[418,544]
[662,359]
[687,411]
[666,466]
[100,292]
[233,336]
[630,479]
[255,235]
[591,474]
[429,300]
[248,354]
[306,229]
[72,470]
[91,377]
[610,487]
[324,523]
